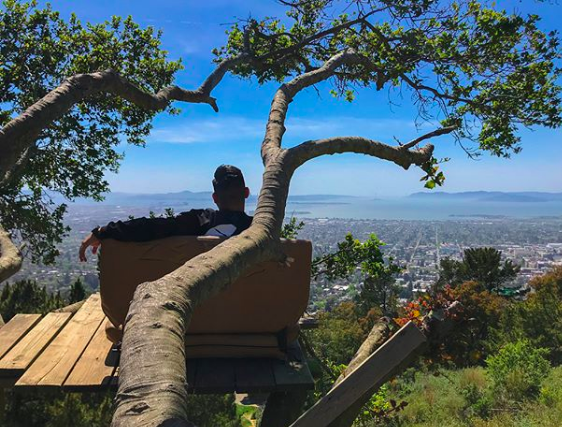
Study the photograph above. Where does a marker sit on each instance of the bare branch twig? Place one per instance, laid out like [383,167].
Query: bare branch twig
[436,132]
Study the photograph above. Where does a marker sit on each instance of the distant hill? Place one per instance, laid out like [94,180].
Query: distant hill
[490,196]
[186,197]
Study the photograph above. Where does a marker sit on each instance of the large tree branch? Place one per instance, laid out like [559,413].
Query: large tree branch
[18,135]
[285,94]
[10,256]
[400,155]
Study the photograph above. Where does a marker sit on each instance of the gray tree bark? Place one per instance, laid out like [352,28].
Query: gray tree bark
[10,256]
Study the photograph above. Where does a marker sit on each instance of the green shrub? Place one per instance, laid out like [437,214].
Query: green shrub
[473,386]
[517,370]
[551,392]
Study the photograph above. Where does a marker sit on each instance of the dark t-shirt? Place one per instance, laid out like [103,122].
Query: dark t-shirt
[196,222]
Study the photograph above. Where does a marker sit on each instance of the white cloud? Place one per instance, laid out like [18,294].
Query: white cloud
[220,129]
[298,129]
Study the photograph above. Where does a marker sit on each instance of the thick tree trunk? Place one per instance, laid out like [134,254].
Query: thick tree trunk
[10,256]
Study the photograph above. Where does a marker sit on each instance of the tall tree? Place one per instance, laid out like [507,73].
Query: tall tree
[482,265]
[77,292]
[481,72]
[67,141]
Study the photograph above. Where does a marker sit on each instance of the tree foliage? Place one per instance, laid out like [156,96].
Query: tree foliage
[39,50]
[26,296]
[485,71]
[379,274]
[482,265]
[538,319]
[471,312]
[518,369]
[352,254]
[77,292]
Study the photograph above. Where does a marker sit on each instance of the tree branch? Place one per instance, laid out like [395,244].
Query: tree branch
[435,92]
[10,256]
[317,36]
[400,155]
[285,94]
[21,132]
[436,132]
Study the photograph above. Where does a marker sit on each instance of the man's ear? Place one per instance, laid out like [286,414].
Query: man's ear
[215,198]
[246,192]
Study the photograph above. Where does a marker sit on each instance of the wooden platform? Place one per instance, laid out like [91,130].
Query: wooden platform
[72,352]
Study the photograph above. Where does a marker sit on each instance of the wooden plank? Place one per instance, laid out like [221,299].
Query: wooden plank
[254,375]
[192,365]
[375,369]
[20,357]
[15,329]
[96,366]
[293,373]
[53,366]
[214,376]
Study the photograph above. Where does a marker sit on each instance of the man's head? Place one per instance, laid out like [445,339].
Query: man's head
[230,189]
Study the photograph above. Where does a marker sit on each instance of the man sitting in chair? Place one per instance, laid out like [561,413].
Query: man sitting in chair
[230,194]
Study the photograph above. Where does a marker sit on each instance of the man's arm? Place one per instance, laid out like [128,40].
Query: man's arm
[144,229]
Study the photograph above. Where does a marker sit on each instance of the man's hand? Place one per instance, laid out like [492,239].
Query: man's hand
[92,241]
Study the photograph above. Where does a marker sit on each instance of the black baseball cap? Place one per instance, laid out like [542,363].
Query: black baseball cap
[227,176]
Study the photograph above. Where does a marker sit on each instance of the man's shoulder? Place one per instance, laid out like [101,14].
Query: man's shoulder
[198,212]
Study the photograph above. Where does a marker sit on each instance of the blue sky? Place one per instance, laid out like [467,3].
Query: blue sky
[183,151]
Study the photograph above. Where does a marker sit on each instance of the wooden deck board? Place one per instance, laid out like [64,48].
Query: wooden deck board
[293,373]
[53,366]
[96,366]
[15,330]
[214,376]
[76,355]
[22,355]
[253,375]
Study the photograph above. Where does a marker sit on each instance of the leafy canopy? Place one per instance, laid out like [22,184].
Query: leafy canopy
[38,51]
[486,71]
[482,265]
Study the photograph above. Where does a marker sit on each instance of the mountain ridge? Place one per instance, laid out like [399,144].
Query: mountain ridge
[491,196]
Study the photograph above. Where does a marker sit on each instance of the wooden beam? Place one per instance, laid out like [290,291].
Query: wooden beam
[371,374]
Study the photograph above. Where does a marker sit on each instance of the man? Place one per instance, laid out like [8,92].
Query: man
[230,194]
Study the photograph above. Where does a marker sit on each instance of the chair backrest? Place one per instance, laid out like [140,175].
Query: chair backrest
[267,298]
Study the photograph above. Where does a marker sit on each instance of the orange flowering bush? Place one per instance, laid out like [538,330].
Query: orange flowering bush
[434,304]
[476,310]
